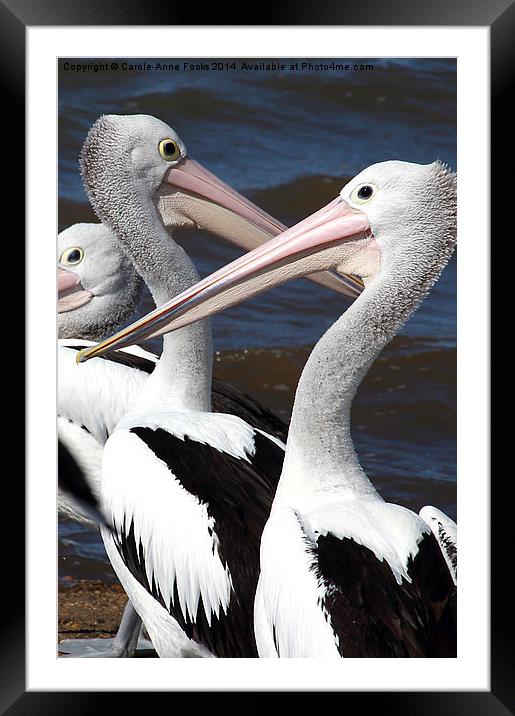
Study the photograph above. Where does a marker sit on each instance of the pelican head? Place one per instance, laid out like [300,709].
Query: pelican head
[140,155]
[148,157]
[98,288]
[411,215]
[395,222]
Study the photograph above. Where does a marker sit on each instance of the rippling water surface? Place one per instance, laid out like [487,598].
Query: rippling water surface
[289,141]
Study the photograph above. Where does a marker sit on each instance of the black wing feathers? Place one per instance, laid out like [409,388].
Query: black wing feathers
[374,616]
[238,495]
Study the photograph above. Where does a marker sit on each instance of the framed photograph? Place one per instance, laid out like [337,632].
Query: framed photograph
[285,115]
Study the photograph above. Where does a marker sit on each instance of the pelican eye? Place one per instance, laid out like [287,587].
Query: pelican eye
[363,193]
[169,150]
[72,256]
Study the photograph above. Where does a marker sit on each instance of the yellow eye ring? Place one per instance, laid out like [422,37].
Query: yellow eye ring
[71,256]
[169,150]
[363,193]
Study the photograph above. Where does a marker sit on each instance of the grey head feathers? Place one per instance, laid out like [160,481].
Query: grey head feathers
[120,158]
[122,169]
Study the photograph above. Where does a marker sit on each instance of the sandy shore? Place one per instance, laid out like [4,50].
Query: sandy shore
[89,609]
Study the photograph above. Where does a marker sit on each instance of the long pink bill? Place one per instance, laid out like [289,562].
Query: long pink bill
[191,176]
[332,225]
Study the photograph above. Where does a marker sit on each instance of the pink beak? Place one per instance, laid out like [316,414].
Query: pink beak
[334,224]
[191,176]
[70,292]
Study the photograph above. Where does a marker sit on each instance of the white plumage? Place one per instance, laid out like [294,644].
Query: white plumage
[100,395]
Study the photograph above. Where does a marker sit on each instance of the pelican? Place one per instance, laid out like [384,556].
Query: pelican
[344,573]
[187,490]
[98,290]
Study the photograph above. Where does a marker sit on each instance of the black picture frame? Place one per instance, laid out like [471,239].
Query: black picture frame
[499,16]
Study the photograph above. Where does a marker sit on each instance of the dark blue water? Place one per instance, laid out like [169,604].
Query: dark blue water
[290,140]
